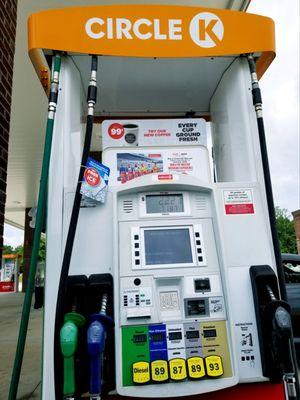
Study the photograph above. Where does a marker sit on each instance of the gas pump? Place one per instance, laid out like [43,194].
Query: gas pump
[182,253]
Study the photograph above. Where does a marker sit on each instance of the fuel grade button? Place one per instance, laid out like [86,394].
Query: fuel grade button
[159,371]
[141,372]
[177,368]
[214,366]
[196,368]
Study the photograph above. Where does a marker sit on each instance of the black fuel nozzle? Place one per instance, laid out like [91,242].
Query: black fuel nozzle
[282,323]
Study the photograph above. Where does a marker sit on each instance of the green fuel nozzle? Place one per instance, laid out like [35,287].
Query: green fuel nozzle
[68,344]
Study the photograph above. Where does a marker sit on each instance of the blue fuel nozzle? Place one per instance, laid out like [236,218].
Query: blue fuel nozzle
[96,336]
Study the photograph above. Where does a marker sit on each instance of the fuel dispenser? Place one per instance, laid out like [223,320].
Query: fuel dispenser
[177,275]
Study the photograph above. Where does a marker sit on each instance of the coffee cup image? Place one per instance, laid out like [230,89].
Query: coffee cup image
[131,134]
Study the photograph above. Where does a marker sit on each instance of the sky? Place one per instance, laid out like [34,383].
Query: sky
[280,91]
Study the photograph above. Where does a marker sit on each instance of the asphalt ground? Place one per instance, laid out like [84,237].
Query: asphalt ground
[10,314]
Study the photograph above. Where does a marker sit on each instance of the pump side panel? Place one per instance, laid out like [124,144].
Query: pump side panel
[63,159]
[234,128]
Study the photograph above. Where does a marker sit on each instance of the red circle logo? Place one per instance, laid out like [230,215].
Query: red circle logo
[92,176]
[116,131]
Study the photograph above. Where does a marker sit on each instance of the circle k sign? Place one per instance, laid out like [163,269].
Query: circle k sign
[206,29]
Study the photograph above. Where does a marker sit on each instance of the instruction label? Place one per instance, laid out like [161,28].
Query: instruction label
[238,201]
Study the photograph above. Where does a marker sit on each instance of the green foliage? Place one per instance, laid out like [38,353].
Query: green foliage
[286,231]
[8,249]
[20,250]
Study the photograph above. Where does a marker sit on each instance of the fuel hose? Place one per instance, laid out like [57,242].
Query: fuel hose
[257,103]
[91,101]
[40,218]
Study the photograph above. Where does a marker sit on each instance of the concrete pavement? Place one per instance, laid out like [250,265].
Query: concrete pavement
[10,314]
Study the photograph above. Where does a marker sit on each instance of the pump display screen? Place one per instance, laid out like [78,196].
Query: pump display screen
[157,337]
[192,335]
[168,246]
[140,338]
[175,336]
[165,203]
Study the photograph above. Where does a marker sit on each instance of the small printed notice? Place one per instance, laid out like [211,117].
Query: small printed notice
[238,201]
[95,181]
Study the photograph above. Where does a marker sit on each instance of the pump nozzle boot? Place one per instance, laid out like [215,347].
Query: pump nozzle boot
[68,344]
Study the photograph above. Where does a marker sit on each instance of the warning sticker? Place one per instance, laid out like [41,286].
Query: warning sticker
[238,201]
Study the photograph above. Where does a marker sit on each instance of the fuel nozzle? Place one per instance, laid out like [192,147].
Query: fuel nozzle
[68,345]
[281,335]
[96,336]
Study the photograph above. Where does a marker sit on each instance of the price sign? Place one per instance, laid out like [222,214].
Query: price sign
[177,369]
[141,372]
[159,371]
[116,131]
[196,368]
[214,366]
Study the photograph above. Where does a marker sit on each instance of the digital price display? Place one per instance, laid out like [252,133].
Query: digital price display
[192,335]
[157,337]
[175,335]
[209,333]
[139,338]
[164,203]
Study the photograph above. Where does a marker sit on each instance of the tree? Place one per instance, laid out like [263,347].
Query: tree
[8,249]
[286,231]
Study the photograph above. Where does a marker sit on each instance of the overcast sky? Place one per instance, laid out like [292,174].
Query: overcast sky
[280,90]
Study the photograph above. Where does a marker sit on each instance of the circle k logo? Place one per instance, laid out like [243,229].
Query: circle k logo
[206,30]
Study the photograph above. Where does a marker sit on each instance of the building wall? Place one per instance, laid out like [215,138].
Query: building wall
[8,21]
[296,215]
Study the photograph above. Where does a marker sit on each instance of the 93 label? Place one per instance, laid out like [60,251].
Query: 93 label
[214,366]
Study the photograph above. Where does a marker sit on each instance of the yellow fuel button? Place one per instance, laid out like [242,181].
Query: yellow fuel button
[177,369]
[196,368]
[159,371]
[141,372]
[214,366]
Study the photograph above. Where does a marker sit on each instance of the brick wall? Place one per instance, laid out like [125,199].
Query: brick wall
[8,21]
[296,215]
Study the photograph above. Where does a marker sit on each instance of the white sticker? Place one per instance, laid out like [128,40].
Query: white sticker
[169,301]
[238,201]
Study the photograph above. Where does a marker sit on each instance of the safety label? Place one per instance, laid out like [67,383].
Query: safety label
[238,201]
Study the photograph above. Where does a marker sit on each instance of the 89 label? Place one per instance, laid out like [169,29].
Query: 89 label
[196,367]
[159,371]
[177,369]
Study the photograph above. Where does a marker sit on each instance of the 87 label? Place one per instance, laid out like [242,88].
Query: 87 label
[177,369]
